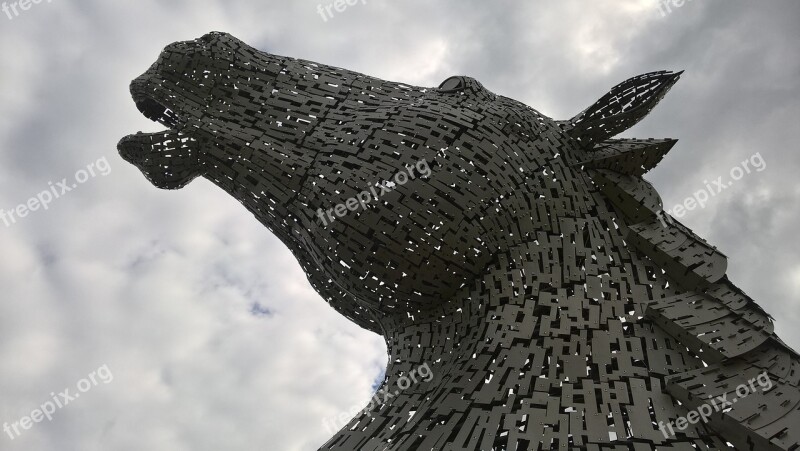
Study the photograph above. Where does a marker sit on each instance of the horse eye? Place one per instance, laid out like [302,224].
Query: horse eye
[453,84]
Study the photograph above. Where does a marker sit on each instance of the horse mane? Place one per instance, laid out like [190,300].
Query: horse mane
[710,316]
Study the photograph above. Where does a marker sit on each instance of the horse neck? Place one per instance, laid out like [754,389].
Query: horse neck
[518,298]
[555,315]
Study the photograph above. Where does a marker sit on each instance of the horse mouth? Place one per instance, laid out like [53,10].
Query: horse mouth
[157,112]
[169,159]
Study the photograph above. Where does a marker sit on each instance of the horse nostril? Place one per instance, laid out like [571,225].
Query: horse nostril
[211,37]
[207,38]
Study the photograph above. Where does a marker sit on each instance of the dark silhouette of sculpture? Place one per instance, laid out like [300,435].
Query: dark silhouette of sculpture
[533,268]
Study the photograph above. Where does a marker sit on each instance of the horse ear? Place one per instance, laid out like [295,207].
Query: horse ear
[620,109]
[627,156]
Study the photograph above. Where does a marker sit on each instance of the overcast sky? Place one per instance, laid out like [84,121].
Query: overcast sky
[214,338]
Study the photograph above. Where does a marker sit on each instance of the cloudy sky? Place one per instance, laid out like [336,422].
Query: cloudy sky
[213,336]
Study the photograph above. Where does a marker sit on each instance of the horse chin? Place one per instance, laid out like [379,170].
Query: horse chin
[168,159]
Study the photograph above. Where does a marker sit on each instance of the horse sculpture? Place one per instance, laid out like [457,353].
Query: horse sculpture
[523,260]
